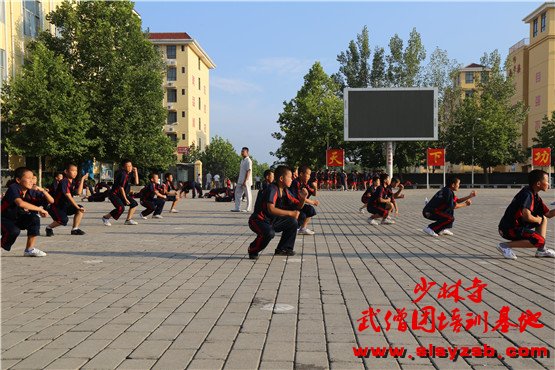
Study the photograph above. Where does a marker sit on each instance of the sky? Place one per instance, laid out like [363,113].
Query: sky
[262,50]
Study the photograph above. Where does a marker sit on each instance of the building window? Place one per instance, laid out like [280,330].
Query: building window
[172,117]
[170,52]
[199,142]
[199,63]
[183,136]
[538,77]
[172,74]
[535,28]
[182,91]
[469,77]
[199,124]
[543,21]
[538,100]
[182,69]
[468,93]
[199,83]
[193,101]
[182,47]
[31,18]
[199,106]
[173,137]
[183,114]
[172,95]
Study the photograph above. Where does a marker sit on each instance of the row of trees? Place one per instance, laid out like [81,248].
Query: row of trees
[92,90]
[219,157]
[313,120]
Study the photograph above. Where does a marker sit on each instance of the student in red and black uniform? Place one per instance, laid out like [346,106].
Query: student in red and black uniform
[276,210]
[58,176]
[441,208]
[149,201]
[525,220]
[395,183]
[308,211]
[373,184]
[379,203]
[170,191]
[18,214]
[119,194]
[268,179]
[64,204]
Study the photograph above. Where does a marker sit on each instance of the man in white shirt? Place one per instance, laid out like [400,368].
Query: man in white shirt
[244,182]
[208,180]
[216,181]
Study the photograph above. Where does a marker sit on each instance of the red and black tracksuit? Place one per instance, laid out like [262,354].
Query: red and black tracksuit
[121,181]
[151,203]
[513,227]
[15,219]
[62,207]
[166,187]
[265,225]
[308,210]
[441,210]
[374,206]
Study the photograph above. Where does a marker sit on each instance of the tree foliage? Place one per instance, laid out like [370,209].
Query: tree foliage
[219,157]
[44,112]
[311,121]
[486,127]
[120,73]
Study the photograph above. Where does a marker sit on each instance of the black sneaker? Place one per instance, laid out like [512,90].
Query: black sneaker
[253,256]
[284,252]
[77,232]
[49,232]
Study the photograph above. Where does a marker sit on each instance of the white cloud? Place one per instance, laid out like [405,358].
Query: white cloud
[234,86]
[282,65]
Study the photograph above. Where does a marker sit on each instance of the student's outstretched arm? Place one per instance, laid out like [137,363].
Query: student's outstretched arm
[81,183]
[30,207]
[46,194]
[471,195]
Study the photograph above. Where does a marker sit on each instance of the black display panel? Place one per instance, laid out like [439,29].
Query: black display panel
[401,114]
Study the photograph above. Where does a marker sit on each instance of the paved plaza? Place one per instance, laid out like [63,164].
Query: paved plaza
[180,292]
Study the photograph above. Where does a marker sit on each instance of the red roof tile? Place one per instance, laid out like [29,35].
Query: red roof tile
[474,65]
[169,36]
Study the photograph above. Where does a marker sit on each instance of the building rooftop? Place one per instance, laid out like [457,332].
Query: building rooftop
[541,8]
[474,65]
[169,36]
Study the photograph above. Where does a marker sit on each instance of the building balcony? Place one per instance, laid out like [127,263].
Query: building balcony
[518,45]
[170,128]
[171,106]
[171,62]
[170,83]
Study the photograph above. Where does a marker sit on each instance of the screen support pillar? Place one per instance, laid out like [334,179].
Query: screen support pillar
[389,158]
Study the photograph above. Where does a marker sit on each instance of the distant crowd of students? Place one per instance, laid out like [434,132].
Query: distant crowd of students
[285,203]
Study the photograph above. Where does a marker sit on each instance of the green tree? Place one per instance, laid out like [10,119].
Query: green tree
[121,73]
[395,63]
[311,122]
[486,127]
[378,75]
[354,67]
[545,136]
[219,157]
[45,113]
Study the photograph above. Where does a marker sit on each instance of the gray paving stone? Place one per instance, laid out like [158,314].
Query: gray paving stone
[188,296]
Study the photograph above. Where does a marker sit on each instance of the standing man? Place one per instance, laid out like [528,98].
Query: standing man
[217,181]
[244,182]
[208,181]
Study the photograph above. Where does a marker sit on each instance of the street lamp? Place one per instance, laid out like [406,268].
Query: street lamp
[477,120]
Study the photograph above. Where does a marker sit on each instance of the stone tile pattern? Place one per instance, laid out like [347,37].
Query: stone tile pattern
[181,293]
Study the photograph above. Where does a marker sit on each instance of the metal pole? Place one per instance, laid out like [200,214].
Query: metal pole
[427,176]
[389,158]
[444,165]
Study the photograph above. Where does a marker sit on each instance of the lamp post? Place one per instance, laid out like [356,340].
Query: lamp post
[477,120]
